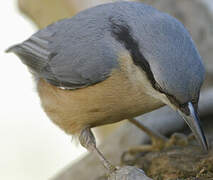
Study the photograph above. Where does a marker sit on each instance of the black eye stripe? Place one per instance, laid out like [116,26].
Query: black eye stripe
[121,31]
[185,110]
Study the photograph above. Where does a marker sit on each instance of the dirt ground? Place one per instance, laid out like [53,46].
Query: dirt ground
[177,163]
[188,163]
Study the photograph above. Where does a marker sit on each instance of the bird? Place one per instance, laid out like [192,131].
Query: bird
[112,62]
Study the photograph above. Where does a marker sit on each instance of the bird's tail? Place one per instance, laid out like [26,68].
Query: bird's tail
[30,55]
[12,48]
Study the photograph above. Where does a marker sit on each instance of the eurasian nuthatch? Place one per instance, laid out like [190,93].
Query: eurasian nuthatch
[113,62]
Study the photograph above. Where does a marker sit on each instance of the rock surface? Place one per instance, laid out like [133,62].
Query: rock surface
[186,163]
[128,173]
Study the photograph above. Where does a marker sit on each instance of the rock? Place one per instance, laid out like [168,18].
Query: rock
[128,173]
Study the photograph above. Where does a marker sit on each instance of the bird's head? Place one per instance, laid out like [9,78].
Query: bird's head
[177,70]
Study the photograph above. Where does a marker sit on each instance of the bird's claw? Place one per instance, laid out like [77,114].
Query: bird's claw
[177,139]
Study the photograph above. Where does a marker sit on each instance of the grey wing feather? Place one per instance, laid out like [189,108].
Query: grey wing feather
[72,53]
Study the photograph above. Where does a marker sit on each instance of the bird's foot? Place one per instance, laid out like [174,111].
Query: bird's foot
[178,139]
[158,144]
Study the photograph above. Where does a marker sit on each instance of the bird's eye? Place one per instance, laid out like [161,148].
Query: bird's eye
[185,109]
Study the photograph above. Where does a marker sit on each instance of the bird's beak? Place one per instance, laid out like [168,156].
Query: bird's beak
[194,123]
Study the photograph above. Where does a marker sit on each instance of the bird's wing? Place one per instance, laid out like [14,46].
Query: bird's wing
[69,54]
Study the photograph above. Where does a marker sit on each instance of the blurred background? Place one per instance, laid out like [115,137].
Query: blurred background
[31,147]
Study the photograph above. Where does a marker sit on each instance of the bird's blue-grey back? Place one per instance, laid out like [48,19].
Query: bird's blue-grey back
[83,50]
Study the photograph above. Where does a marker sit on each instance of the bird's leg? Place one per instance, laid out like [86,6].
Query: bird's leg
[87,140]
[159,142]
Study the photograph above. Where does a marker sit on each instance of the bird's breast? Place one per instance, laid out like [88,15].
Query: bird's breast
[119,97]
